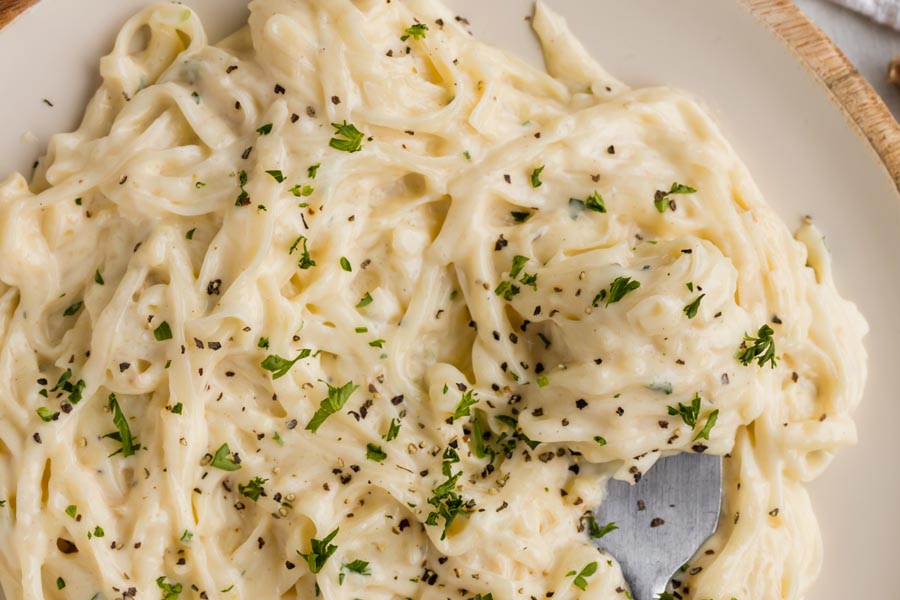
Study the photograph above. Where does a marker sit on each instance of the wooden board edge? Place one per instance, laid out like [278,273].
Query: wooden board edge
[861,103]
[10,9]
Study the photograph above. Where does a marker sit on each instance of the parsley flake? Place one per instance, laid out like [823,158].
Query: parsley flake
[661,198]
[761,348]
[691,309]
[280,366]
[276,175]
[688,414]
[46,414]
[222,461]
[462,408]
[596,531]
[710,423]
[375,453]
[253,489]
[163,332]
[320,551]
[305,261]
[123,435]
[536,177]
[347,137]
[265,129]
[393,430]
[360,567]
[170,591]
[581,577]
[333,402]
[416,32]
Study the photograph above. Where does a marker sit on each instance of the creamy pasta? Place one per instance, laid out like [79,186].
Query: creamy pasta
[352,305]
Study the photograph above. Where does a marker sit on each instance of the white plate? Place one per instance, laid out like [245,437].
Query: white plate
[797,143]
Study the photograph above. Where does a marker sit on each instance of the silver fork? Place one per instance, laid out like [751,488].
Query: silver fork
[662,520]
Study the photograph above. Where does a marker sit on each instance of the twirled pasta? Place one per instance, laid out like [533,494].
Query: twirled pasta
[457,275]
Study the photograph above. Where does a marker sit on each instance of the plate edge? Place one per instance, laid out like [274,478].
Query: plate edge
[859,102]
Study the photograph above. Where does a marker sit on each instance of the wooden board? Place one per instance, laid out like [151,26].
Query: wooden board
[861,104]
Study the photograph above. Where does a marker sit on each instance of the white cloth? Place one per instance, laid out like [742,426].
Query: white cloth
[883,11]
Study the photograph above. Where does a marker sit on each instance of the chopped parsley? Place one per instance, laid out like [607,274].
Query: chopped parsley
[663,386]
[691,309]
[98,278]
[170,591]
[462,408]
[345,264]
[222,461]
[65,384]
[163,332]
[60,583]
[710,423]
[177,409]
[347,137]
[243,198]
[581,576]
[302,191]
[593,202]
[186,536]
[265,129]
[305,261]
[46,414]
[73,309]
[447,502]
[97,533]
[416,32]
[312,170]
[320,551]
[280,366]
[596,531]
[760,348]
[661,199]
[536,177]
[600,440]
[364,301]
[123,433]
[509,289]
[618,289]
[190,234]
[688,414]
[375,453]
[276,175]
[393,430]
[254,488]
[377,343]
[333,402]
[263,342]
[360,567]
[72,510]
[520,217]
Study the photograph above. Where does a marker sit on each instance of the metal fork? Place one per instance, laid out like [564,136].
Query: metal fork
[662,520]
